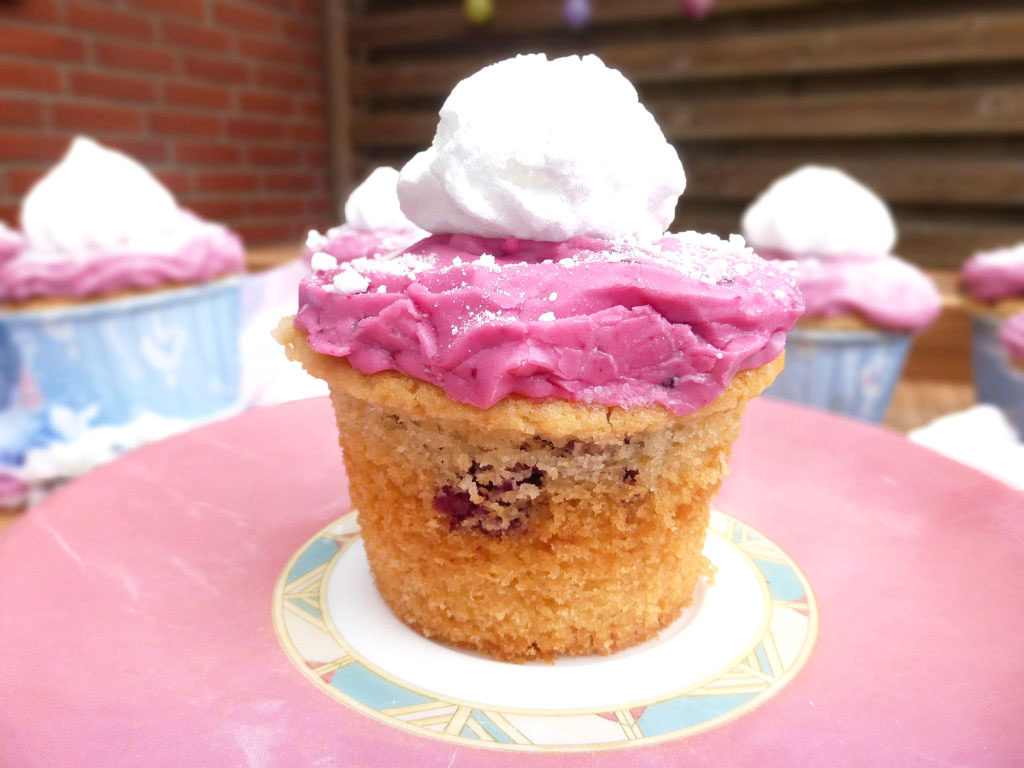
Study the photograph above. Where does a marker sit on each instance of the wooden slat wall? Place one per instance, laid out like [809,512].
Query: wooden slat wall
[921,99]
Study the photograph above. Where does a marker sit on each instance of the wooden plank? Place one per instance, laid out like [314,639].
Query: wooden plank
[959,110]
[946,39]
[418,26]
[900,175]
[936,239]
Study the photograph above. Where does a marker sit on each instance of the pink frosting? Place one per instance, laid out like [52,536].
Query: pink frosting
[346,242]
[886,291]
[994,275]
[215,251]
[585,320]
[11,242]
[1012,336]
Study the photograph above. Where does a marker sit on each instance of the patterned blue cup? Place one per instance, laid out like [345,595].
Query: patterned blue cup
[10,368]
[996,378]
[172,352]
[850,372]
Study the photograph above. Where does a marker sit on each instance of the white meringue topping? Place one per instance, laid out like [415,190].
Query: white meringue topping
[374,203]
[545,150]
[820,211]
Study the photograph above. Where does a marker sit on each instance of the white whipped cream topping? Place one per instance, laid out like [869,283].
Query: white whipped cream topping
[545,150]
[374,203]
[97,201]
[822,211]
[1007,256]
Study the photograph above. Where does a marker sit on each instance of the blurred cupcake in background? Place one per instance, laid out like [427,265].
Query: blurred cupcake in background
[374,223]
[863,303]
[994,284]
[120,309]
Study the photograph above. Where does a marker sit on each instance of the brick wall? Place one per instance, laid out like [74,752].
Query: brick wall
[222,99]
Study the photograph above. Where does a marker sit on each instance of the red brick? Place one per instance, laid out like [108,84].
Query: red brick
[193,95]
[178,181]
[217,208]
[244,128]
[178,124]
[237,16]
[207,154]
[289,79]
[313,132]
[215,68]
[90,117]
[228,181]
[265,155]
[291,182]
[270,233]
[20,112]
[318,156]
[272,50]
[113,87]
[31,146]
[194,36]
[279,206]
[144,150]
[109,21]
[135,57]
[313,108]
[22,76]
[9,213]
[195,9]
[307,7]
[20,180]
[270,103]
[36,10]
[40,44]
[301,29]
[320,205]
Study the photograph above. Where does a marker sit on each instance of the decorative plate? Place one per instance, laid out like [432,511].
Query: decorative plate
[746,635]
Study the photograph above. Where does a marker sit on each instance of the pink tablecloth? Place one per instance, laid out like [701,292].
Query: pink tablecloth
[135,626]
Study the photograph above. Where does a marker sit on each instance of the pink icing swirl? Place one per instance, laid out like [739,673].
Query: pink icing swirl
[886,291]
[996,274]
[1012,336]
[346,243]
[588,321]
[212,252]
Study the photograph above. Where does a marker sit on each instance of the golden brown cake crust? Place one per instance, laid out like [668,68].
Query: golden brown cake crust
[999,310]
[850,322]
[529,530]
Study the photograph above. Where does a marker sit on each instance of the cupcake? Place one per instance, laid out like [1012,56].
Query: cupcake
[120,305]
[994,285]
[374,222]
[863,304]
[537,403]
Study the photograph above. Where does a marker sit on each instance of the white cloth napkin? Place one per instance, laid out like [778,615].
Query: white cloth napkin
[980,437]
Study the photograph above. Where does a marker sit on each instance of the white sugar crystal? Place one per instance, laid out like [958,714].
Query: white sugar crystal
[485,260]
[382,289]
[547,317]
[553,296]
[456,261]
[315,241]
[322,262]
[348,281]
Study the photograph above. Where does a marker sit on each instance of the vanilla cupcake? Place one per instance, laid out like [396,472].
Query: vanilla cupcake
[537,403]
[863,304]
[120,304]
[374,223]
